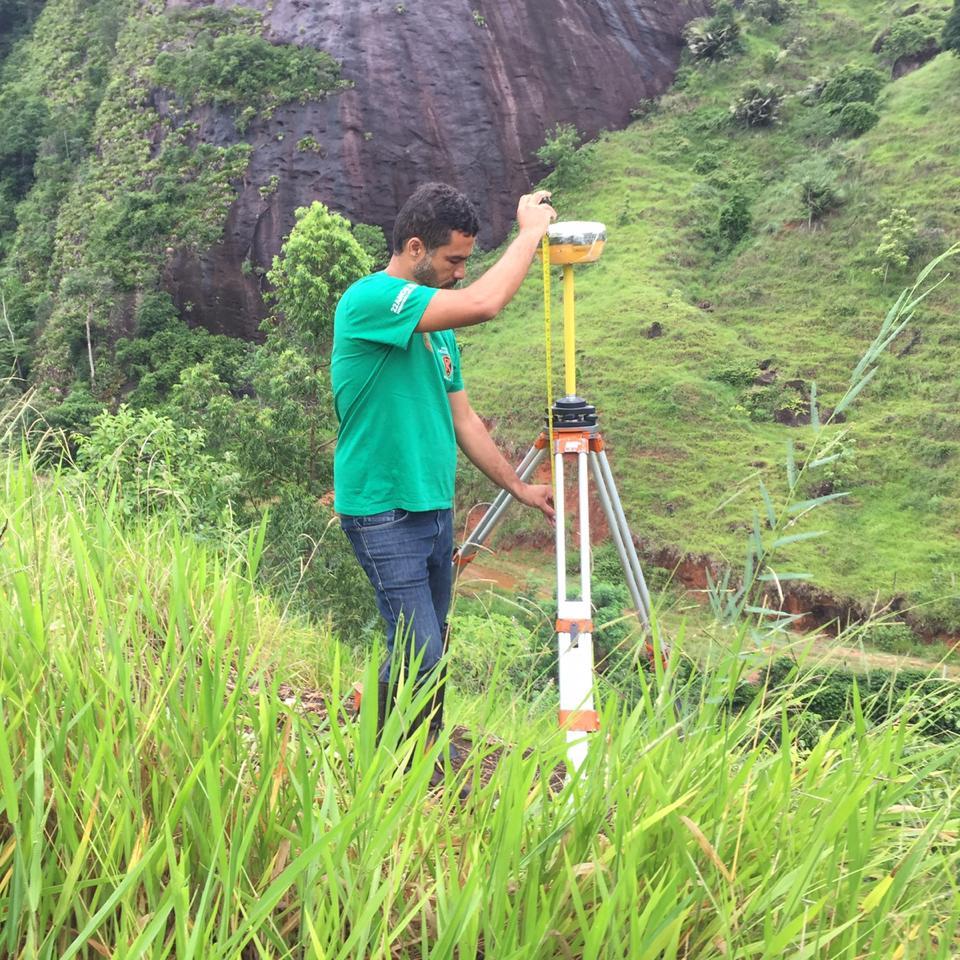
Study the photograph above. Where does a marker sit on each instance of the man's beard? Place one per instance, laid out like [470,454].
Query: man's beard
[426,276]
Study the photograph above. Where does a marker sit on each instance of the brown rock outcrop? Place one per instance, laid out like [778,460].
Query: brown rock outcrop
[454,90]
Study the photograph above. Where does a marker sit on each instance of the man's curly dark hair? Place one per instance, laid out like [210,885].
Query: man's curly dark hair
[433,212]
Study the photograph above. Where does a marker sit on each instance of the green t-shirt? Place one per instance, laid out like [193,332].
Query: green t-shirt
[396,446]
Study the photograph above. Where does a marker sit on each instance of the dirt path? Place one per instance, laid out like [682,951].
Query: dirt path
[509,573]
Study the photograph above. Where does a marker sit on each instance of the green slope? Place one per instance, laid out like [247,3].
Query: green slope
[688,427]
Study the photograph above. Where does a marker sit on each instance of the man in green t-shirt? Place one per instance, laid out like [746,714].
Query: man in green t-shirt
[403,410]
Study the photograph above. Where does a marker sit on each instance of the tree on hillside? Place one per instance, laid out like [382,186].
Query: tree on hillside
[318,261]
[951,32]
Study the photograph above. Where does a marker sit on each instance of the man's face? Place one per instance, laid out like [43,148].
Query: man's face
[446,266]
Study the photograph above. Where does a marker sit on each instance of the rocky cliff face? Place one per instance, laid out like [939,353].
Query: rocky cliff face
[455,90]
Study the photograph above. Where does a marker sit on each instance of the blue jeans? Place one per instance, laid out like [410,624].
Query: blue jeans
[408,559]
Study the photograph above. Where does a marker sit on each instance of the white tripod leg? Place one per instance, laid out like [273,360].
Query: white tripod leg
[574,623]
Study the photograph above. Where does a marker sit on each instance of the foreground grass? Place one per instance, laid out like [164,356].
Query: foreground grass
[159,799]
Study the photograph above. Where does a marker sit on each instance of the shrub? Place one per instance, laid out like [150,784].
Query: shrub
[734,219]
[818,188]
[562,150]
[247,70]
[317,262]
[152,463]
[853,83]
[908,36]
[715,38]
[892,637]
[373,242]
[773,11]
[706,163]
[309,562]
[897,240]
[951,31]
[645,108]
[165,346]
[857,117]
[757,106]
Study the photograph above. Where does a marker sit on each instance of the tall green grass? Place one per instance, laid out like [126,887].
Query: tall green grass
[160,798]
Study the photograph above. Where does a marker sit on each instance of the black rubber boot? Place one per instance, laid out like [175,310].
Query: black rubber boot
[384,705]
[451,754]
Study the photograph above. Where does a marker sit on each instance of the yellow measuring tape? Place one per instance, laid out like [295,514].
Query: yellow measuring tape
[547,325]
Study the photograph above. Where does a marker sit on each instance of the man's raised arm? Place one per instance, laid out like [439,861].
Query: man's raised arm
[489,294]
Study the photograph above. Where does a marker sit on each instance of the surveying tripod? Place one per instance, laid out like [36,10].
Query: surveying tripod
[572,433]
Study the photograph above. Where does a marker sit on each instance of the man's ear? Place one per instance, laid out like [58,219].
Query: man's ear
[415,247]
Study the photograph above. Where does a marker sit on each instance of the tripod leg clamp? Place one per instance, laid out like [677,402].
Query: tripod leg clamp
[587,721]
[574,627]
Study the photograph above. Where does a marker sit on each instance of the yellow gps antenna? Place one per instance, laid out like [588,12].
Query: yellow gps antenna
[572,434]
[572,242]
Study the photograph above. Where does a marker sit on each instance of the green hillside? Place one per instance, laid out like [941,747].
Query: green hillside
[690,416]
[750,250]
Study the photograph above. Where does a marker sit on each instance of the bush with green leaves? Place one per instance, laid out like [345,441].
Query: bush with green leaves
[164,346]
[371,238]
[716,37]
[857,117]
[23,122]
[892,637]
[773,11]
[757,106]
[317,262]
[309,564]
[734,219]
[282,427]
[817,187]
[951,30]
[489,648]
[909,36]
[150,463]
[898,241]
[247,70]
[852,83]
[568,157]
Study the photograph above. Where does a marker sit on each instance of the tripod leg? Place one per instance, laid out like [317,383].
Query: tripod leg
[624,527]
[617,536]
[574,623]
[496,509]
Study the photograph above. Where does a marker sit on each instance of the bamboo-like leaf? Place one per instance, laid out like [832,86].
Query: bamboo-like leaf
[791,466]
[854,391]
[803,505]
[757,536]
[796,538]
[814,409]
[767,577]
[768,503]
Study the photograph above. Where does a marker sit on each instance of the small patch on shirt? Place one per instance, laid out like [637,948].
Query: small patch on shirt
[402,297]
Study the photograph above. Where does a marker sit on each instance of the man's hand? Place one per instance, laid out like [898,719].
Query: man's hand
[534,214]
[539,495]
[485,297]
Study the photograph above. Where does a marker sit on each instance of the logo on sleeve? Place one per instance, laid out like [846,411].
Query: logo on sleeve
[444,355]
[402,297]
